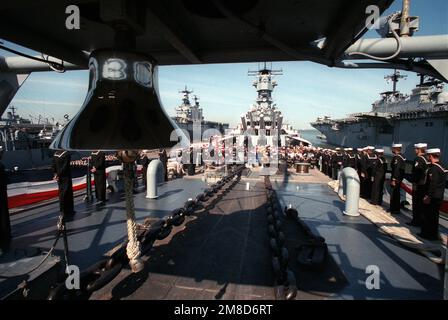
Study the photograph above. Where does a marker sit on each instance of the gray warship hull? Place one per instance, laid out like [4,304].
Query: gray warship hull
[421,116]
[407,129]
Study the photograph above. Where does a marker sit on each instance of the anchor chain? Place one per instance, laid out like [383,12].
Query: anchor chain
[286,283]
[143,236]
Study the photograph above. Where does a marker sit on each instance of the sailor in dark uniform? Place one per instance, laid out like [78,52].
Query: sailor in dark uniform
[418,183]
[98,162]
[435,189]
[358,155]
[371,163]
[164,159]
[62,173]
[336,163]
[378,177]
[349,159]
[325,161]
[398,167]
[5,223]
[331,155]
[144,162]
[363,174]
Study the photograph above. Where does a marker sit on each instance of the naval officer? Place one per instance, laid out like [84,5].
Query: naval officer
[418,183]
[432,200]
[378,177]
[62,173]
[398,166]
[5,223]
[98,161]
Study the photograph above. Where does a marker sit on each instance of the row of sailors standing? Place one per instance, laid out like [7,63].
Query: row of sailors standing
[428,180]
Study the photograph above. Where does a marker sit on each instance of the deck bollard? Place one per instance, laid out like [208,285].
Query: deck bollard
[349,187]
[154,175]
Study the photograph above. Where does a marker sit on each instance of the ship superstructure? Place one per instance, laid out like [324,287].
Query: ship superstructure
[264,121]
[26,142]
[189,117]
[187,112]
[395,117]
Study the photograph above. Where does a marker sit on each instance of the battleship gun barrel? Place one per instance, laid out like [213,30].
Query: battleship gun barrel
[431,47]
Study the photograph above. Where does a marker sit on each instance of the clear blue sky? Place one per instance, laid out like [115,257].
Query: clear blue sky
[305,91]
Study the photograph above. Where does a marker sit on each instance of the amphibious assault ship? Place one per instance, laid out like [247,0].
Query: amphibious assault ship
[395,117]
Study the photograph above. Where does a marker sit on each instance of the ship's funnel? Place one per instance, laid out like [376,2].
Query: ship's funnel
[122,109]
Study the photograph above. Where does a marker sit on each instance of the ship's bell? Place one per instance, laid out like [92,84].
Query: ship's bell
[122,109]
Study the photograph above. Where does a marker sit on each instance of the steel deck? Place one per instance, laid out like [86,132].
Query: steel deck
[223,252]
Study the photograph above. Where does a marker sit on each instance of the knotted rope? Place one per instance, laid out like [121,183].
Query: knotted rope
[133,249]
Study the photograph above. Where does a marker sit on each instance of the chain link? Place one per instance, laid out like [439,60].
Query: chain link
[104,271]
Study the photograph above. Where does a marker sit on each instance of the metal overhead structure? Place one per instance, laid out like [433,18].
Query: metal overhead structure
[191,31]
[215,31]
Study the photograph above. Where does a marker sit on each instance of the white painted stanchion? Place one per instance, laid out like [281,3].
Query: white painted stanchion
[349,187]
[154,174]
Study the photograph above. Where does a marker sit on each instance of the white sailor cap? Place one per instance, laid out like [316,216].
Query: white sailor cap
[348,149]
[360,149]
[369,148]
[337,149]
[421,145]
[433,151]
[397,145]
[379,150]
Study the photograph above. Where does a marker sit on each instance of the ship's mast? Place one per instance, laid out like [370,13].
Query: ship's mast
[186,95]
[395,77]
[13,110]
[196,100]
[264,84]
